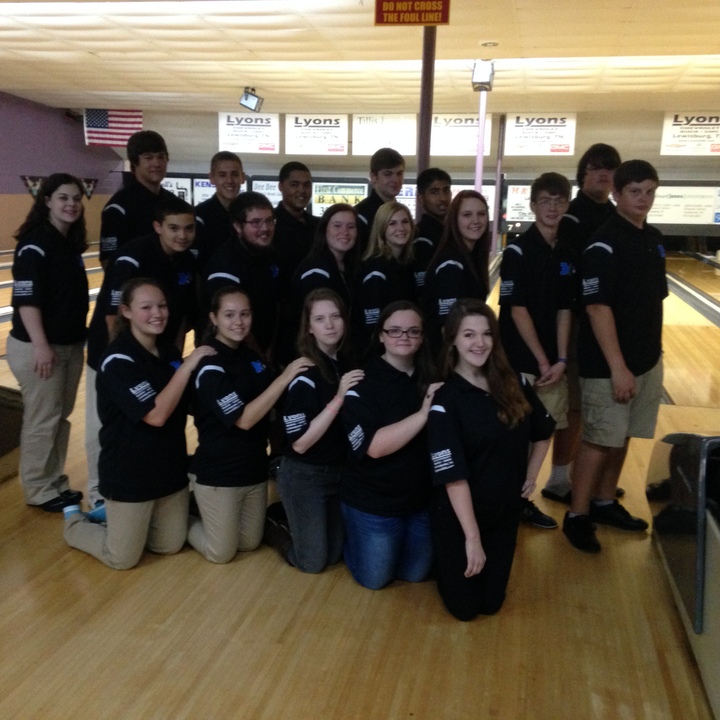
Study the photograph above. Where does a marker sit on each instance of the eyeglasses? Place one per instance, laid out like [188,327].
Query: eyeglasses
[551,202]
[258,223]
[396,332]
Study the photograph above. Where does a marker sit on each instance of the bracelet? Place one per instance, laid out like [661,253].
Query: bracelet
[562,360]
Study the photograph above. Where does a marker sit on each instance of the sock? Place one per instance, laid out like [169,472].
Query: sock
[559,480]
[602,503]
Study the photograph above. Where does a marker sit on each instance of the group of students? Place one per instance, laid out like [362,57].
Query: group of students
[420,452]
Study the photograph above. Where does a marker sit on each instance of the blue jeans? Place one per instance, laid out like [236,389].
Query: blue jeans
[310,496]
[380,549]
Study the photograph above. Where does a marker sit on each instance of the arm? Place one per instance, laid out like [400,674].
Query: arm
[257,409]
[556,371]
[321,422]
[461,501]
[168,398]
[43,355]
[391,438]
[526,328]
[603,326]
[538,451]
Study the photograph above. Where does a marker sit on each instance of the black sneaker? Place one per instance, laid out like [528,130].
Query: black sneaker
[616,516]
[659,491]
[549,494]
[532,515]
[580,531]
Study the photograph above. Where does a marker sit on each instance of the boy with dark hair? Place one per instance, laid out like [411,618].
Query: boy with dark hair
[387,171]
[536,295]
[213,219]
[434,196]
[130,212]
[620,353]
[249,262]
[163,256]
[588,211]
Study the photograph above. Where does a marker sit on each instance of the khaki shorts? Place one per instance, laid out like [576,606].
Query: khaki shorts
[554,398]
[609,423]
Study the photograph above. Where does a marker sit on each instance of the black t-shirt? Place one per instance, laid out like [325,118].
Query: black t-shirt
[223,385]
[623,267]
[49,274]
[212,228]
[306,398]
[256,272]
[138,462]
[399,483]
[144,257]
[541,279]
[128,214]
[428,233]
[469,442]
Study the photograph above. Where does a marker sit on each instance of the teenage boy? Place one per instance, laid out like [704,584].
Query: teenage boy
[588,212]
[214,226]
[249,262]
[536,295]
[619,352]
[130,212]
[387,172]
[434,195]
[164,256]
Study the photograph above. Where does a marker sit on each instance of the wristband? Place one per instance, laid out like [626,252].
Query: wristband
[562,360]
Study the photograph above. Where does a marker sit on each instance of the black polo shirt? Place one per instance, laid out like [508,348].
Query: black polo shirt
[256,272]
[129,213]
[212,228]
[144,257]
[428,233]
[366,210]
[306,398]
[399,483]
[49,274]
[469,442]
[223,385]
[322,271]
[292,240]
[583,217]
[139,462]
[623,267]
[540,278]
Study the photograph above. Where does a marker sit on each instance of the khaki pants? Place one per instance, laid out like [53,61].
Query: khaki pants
[158,525]
[92,435]
[47,404]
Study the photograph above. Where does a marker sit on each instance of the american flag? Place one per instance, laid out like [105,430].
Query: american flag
[111,127]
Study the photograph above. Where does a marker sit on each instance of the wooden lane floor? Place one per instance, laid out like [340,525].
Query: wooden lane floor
[701,275]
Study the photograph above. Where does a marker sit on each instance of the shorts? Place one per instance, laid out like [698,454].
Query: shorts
[554,398]
[609,423]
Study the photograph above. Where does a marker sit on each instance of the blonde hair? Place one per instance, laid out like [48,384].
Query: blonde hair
[377,245]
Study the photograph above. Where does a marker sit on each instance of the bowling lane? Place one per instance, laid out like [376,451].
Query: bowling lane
[696,273]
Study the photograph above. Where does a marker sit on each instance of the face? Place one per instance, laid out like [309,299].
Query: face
[258,228]
[388,182]
[399,229]
[151,168]
[436,199]
[472,220]
[296,190]
[233,319]
[147,312]
[326,325]
[341,233]
[597,182]
[176,233]
[403,346]
[473,342]
[227,176]
[65,207]
[635,200]
[549,210]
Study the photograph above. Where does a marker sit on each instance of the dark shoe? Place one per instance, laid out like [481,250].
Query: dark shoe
[74,495]
[532,515]
[59,503]
[277,536]
[551,495]
[659,491]
[619,492]
[276,513]
[616,516]
[580,531]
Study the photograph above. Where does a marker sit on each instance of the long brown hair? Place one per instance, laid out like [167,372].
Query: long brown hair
[502,379]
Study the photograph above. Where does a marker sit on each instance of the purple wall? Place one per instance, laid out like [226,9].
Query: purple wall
[40,140]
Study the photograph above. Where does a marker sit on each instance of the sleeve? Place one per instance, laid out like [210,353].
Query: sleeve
[301,406]
[361,418]
[218,274]
[122,381]
[448,281]
[124,268]
[29,268]
[445,443]
[310,278]
[513,287]
[113,228]
[216,393]
[372,294]
[597,275]
[542,424]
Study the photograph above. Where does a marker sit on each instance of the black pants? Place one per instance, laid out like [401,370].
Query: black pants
[482,594]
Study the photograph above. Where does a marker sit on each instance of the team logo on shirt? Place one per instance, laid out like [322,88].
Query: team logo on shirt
[442,460]
[371,315]
[143,391]
[184,278]
[22,288]
[566,268]
[506,288]
[258,367]
[175,364]
[356,437]
[661,250]
[274,270]
[230,403]
[295,422]
[444,305]
[591,286]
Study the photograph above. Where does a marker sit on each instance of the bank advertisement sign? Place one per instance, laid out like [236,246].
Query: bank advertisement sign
[691,133]
[540,134]
[249,132]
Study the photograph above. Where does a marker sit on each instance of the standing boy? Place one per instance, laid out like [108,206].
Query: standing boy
[434,195]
